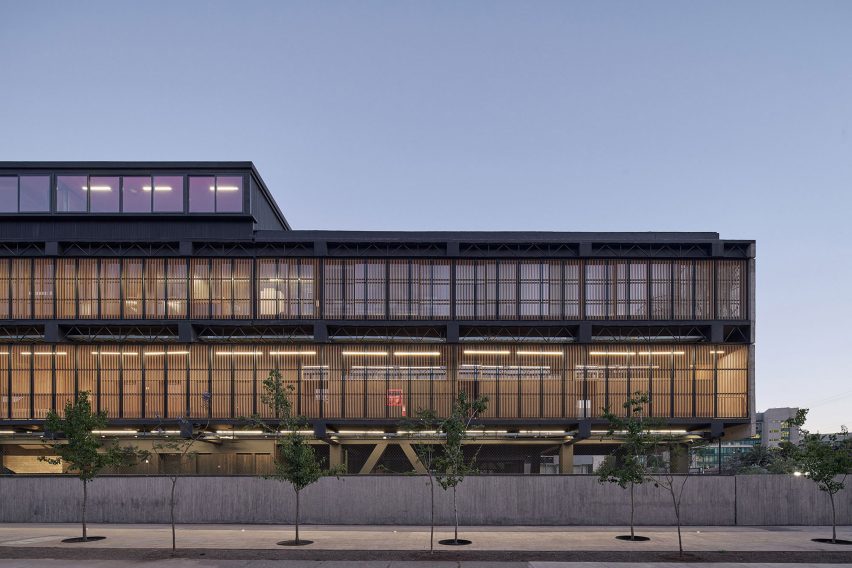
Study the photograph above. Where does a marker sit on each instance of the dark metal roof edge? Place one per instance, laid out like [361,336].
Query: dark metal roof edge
[495,236]
[120,165]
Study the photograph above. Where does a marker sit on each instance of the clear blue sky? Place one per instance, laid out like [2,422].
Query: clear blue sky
[733,117]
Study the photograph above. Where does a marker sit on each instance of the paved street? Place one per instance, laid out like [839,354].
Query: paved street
[233,546]
[185,563]
[417,538]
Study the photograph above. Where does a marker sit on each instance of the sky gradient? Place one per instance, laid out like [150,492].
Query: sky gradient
[600,116]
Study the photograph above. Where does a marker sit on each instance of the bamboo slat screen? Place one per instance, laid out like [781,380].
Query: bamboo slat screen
[289,288]
[419,289]
[376,381]
[355,289]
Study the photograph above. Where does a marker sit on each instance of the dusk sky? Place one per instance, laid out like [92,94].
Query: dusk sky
[565,116]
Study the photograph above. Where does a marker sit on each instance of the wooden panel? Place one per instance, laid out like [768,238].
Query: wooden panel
[5,283]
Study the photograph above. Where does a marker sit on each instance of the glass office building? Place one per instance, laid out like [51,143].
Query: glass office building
[158,287]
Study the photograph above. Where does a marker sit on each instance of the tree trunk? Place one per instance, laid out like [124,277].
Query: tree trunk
[632,509]
[833,520]
[172,512]
[456,514]
[85,498]
[677,516]
[297,517]
[432,515]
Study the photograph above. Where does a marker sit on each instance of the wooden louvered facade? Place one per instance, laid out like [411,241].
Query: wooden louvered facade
[151,310]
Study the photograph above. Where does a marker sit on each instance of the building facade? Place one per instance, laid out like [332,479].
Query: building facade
[170,290]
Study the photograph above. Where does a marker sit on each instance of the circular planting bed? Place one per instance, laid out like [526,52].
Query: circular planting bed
[301,542]
[454,542]
[633,538]
[829,541]
[81,539]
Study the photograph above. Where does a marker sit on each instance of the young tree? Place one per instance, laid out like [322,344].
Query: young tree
[183,448]
[451,467]
[295,460]
[628,465]
[825,460]
[81,451]
[426,422]
[669,450]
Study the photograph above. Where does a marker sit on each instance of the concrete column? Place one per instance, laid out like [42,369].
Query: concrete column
[566,458]
[335,455]
[679,459]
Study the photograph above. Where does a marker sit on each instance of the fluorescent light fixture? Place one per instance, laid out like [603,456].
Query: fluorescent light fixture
[239,353]
[161,353]
[487,352]
[364,353]
[115,353]
[224,188]
[40,353]
[717,352]
[508,367]
[97,188]
[158,188]
[543,353]
[614,353]
[240,432]
[651,353]
[292,352]
[314,366]
[417,353]
[115,432]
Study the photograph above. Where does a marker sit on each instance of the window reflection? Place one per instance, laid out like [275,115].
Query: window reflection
[168,194]
[34,194]
[8,194]
[229,194]
[71,193]
[137,194]
[103,194]
[202,199]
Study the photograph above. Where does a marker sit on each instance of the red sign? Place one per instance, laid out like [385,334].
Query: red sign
[394,397]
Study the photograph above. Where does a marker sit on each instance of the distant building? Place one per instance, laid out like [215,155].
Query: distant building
[773,427]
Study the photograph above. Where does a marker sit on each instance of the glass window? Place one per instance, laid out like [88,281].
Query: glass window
[202,194]
[8,194]
[137,194]
[71,193]
[35,194]
[104,194]
[229,194]
[168,194]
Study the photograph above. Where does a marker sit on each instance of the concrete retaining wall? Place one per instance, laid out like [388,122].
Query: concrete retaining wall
[483,500]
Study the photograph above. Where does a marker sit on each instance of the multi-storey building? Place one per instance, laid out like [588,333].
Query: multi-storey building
[170,290]
[773,427]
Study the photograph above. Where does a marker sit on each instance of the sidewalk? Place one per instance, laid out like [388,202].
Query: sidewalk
[380,543]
